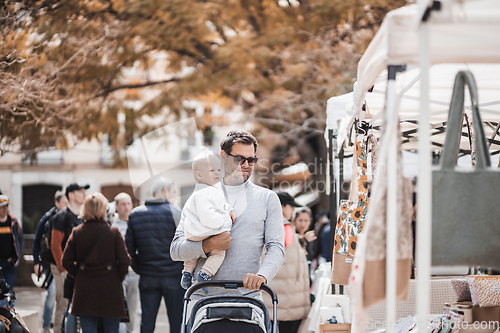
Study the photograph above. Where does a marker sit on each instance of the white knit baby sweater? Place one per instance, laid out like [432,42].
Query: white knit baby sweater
[206,212]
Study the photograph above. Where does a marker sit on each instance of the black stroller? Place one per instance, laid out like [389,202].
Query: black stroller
[229,313]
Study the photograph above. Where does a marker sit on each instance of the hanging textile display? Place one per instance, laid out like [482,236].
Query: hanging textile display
[352,212]
[368,276]
[465,209]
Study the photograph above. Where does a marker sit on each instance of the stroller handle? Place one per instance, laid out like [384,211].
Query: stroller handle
[227,284]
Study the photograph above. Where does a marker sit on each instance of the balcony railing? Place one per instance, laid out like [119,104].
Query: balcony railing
[49,157]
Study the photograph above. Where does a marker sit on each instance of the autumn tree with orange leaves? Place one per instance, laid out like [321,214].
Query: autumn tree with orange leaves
[69,67]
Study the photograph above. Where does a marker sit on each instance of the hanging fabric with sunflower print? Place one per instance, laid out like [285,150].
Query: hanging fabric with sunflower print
[352,213]
[368,276]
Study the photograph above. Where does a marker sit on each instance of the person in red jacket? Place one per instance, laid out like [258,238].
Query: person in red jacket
[62,225]
[288,204]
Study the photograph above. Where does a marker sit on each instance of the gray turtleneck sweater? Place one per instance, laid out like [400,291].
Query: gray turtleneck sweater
[259,223]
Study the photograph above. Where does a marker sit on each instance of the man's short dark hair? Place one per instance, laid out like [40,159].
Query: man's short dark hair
[59,194]
[237,137]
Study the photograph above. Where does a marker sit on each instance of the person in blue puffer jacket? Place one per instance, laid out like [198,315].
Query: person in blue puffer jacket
[151,228]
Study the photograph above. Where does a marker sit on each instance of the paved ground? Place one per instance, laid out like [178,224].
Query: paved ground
[30,298]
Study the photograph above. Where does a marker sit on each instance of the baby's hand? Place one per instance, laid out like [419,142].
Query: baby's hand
[233,216]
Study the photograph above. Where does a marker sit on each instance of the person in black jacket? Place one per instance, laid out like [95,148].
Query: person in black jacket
[11,242]
[42,263]
[150,231]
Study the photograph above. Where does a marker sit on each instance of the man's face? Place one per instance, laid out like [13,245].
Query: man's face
[237,174]
[124,207]
[4,210]
[287,212]
[77,196]
[63,202]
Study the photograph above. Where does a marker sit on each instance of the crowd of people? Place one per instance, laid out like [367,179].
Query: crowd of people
[99,264]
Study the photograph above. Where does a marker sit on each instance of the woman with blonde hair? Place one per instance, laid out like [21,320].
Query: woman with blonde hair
[98,259]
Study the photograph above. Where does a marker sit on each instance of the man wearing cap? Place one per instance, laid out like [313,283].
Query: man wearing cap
[62,225]
[288,204]
[11,242]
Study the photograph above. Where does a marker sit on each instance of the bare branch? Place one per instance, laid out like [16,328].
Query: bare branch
[135,86]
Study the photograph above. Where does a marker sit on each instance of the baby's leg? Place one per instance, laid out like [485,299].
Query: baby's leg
[190,265]
[214,261]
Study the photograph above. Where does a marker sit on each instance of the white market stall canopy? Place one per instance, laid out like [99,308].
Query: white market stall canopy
[463,36]
[461,32]
[441,78]
[340,109]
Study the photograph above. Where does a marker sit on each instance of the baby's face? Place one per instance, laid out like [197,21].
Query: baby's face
[211,172]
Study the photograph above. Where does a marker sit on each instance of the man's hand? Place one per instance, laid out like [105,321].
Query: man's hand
[35,268]
[233,216]
[253,281]
[217,242]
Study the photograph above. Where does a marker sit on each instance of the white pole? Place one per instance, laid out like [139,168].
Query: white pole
[424,206]
[392,201]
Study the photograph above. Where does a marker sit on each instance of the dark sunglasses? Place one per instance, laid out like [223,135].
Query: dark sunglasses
[238,159]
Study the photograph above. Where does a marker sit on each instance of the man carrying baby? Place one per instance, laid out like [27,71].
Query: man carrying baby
[258,223]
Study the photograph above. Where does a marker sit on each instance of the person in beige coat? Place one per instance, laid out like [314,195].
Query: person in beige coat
[291,283]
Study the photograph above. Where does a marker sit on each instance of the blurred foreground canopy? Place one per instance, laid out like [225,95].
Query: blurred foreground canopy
[68,68]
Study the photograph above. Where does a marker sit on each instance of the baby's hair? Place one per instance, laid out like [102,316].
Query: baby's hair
[201,160]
